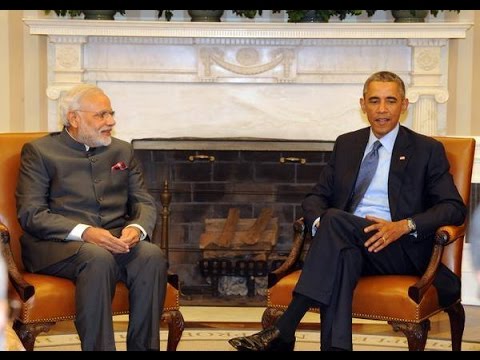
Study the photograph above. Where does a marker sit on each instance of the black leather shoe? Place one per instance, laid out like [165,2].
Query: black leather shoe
[265,340]
[333,348]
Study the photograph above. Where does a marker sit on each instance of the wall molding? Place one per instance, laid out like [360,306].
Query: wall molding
[178,29]
[270,78]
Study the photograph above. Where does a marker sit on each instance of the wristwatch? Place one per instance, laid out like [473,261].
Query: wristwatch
[411,225]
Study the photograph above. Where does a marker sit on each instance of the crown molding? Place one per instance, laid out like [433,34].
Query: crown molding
[177,29]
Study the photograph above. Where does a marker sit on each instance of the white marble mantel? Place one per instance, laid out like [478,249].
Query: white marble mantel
[340,30]
[239,79]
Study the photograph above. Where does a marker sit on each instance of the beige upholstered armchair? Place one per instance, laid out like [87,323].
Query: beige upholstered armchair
[45,299]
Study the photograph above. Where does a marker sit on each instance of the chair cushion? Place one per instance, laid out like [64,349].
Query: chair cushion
[375,297]
[54,299]
[386,298]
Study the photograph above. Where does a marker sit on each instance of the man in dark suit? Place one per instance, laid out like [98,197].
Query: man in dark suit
[389,229]
[87,216]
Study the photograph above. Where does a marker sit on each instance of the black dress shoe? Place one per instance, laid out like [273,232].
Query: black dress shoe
[333,348]
[265,340]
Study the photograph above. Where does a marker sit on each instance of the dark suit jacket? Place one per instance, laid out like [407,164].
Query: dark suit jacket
[60,186]
[419,186]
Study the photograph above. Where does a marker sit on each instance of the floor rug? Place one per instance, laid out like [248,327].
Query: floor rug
[216,340]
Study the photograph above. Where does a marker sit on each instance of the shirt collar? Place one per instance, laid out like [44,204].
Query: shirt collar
[388,140]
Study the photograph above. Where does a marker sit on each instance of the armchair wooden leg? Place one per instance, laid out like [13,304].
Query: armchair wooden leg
[176,325]
[416,333]
[456,314]
[270,316]
[27,333]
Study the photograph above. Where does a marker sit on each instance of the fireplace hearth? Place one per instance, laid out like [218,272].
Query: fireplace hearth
[220,182]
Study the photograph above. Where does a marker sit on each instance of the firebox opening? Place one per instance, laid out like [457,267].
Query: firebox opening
[242,192]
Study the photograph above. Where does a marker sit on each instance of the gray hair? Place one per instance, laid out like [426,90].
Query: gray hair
[70,100]
[385,76]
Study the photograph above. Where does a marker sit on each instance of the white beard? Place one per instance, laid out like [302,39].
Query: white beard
[92,138]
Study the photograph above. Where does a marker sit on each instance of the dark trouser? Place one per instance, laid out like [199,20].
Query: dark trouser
[95,272]
[336,259]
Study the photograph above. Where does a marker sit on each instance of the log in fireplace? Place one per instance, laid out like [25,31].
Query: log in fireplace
[235,252]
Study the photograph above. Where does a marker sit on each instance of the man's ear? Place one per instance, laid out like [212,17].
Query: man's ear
[362,105]
[404,105]
[72,117]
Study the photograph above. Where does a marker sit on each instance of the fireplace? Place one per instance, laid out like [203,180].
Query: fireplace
[207,179]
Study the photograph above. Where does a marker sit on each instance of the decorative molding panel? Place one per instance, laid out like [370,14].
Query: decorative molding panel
[244,30]
[241,79]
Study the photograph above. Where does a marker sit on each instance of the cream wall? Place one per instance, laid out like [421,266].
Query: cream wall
[23,72]
[4,72]
[463,69]
[475,95]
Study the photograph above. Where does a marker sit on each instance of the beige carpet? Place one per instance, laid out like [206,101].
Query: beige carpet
[216,340]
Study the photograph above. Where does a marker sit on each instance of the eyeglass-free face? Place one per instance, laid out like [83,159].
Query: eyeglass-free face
[383,104]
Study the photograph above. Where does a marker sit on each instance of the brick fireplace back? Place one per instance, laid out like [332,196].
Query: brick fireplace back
[207,177]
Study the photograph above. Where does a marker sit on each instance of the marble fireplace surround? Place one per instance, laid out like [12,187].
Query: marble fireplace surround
[273,80]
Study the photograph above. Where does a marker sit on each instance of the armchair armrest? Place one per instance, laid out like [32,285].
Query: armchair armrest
[451,233]
[289,264]
[444,236]
[24,289]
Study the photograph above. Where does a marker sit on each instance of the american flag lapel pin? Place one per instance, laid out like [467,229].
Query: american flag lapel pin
[402,157]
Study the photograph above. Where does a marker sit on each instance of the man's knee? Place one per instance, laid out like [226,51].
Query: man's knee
[331,215]
[97,259]
[152,256]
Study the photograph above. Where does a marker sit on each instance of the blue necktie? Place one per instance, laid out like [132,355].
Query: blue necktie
[365,175]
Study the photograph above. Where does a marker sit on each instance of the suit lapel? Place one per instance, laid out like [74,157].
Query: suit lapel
[402,153]
[354,155]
